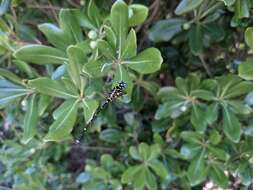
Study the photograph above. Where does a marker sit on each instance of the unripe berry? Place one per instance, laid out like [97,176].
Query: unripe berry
[183,108]
[92,34]
[93,44]
[186,26]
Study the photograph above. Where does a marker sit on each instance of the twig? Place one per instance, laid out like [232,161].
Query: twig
[53,11]
[155,6]
[43,7]
[201,57]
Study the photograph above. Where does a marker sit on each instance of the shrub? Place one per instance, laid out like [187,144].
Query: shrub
[176,125]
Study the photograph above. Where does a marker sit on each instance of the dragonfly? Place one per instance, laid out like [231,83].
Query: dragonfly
[115,93]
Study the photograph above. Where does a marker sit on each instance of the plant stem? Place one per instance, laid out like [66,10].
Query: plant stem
[205,65]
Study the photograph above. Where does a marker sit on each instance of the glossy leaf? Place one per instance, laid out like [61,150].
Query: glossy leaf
[119,20]
[187,6]
[52,88]
[138,14]
[111,135]
[10,76]
[55,35]
[40,54]
[76,60]
[10,92]
[159,169]
[89,108]
[166,109]
[242,9]
[165,30]
[231,125]
[70,25]
[62,127]
[196,38]
[218,176]
[198,118]
[246,69]
[197,170]
[248,35]
[130,48]
[31,119]
[148,61]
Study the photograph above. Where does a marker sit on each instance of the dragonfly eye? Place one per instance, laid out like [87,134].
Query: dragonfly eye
[122,84]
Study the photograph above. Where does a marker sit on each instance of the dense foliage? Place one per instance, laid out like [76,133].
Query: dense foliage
[185,116]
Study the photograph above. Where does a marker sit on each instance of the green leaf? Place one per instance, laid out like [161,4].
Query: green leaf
[129,174]
[196,36]
[242,9]
[52,88]
[245,173]
[150,180]
[138,14]
[191,137]
[165,110]
[89,108]
[239,89]
[187,6]
[134,153]
[165,30]
[62,108]
[96,68]
[219,153]
[76,60]
[248,35]
[159,169]
[198,119]
[130,48]
[139,178]
[197,170]
[62,127]
[40,54]
[215,137]
[43,103]
[10,92]
[70,25]
[217,175]
[106,49]
[246,68]
[24,67]
[111,135]
[119,21]
[110,36]
[55,35]
[155,151]
[10,76]
[144,151]
[211,113]
[203,94]
[231,125]
[31,119]
[182,86]
[239,107]
[189,151]
[148,61]
[94,14]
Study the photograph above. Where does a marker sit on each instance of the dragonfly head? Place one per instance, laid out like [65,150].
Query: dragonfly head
[122,84]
